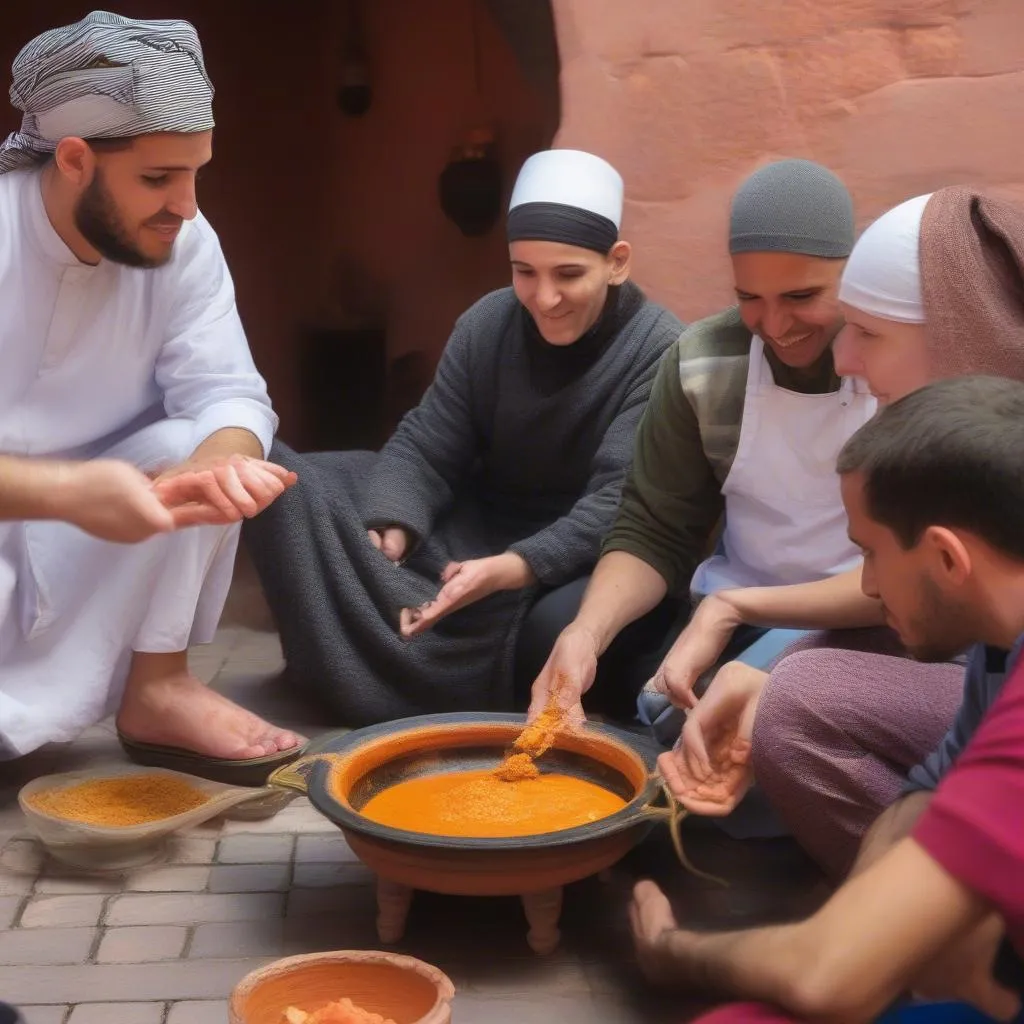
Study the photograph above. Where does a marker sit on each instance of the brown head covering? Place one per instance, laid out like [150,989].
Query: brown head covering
[972,284]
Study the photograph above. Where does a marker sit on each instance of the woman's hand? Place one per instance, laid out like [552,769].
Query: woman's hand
[221,489]
[391,541]
[463,584]
[709,770]
[696,650]
[567,674]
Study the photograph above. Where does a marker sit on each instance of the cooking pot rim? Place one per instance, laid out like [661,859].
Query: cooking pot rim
[636,812]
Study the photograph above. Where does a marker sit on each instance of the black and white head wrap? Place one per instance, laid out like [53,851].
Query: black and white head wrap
[107,77]
[565,195]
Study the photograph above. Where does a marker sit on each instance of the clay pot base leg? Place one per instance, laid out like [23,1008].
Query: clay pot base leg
[543,910]
[393,902]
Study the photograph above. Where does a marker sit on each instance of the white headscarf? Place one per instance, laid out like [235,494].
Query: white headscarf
[883,274]
[566,195]
[107,77]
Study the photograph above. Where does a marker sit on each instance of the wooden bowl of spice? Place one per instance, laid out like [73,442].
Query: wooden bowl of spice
[120,817]
[343,987]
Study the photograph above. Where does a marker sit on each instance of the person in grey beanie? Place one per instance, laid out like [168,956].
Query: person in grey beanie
[745,421]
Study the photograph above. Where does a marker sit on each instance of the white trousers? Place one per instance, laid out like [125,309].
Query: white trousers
[74,608]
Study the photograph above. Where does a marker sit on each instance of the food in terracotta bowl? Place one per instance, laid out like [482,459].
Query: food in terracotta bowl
[343,987]
[120,817]
[430,802]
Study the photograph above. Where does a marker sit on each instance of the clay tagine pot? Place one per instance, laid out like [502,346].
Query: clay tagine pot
[367,760]
[349,770]
[399,988]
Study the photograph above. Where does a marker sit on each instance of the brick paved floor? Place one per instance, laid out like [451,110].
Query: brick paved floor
[166,943]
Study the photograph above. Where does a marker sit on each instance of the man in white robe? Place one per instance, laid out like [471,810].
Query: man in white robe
[120,340]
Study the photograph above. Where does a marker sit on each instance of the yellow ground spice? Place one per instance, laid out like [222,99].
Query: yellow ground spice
[120,801]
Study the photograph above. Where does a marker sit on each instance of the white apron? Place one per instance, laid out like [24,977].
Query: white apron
[784,516]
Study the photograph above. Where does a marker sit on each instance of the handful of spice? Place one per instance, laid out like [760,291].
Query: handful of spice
[120,801]
[534,741]
[344,1011]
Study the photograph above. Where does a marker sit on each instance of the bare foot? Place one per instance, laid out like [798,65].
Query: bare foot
[165,704]
[653,924]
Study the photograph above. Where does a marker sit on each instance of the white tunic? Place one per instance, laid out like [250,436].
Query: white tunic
[140,364]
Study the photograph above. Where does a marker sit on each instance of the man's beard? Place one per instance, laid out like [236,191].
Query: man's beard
[942,629]
[100,224]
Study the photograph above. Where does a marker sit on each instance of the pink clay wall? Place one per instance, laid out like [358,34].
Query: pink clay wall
[333,221]
[686,97]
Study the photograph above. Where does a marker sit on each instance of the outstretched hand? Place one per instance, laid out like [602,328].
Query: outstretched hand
[464,583]
[567,674]
[709,771]
[111,500]
[696,650]
[221,490]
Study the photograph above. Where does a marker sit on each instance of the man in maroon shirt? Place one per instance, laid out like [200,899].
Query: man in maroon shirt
[934,491]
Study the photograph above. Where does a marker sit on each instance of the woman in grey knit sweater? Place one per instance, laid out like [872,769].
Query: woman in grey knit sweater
[400,580]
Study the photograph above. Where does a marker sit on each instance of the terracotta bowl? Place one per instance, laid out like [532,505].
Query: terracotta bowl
[406,990]
[370,760]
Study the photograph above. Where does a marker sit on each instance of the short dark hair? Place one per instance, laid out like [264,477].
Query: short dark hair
[950,454]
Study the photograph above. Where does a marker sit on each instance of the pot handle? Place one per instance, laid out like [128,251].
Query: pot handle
[294,775]
[673,812]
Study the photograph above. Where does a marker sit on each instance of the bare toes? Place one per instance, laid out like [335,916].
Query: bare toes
[279,742]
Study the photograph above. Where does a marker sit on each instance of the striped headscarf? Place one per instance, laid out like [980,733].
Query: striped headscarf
[106,77]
